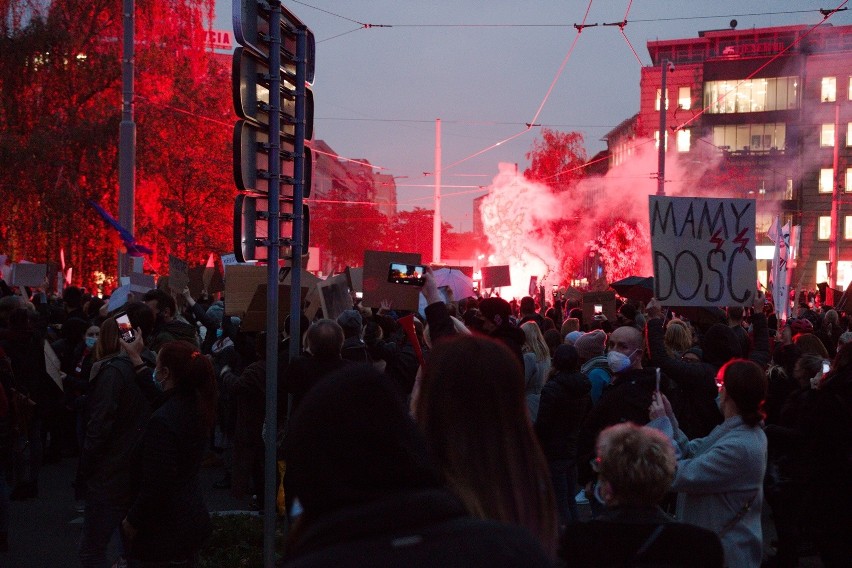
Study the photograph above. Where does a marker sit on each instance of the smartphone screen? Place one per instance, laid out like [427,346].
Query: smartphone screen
[598,309]
[825,367]
[410,274]
[125,329]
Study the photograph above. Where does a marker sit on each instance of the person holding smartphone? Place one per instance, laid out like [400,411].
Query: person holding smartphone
[168,520]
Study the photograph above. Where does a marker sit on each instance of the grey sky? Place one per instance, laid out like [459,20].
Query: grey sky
[378,90]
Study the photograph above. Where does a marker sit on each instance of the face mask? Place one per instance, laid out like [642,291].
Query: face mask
[219,332]
[158,384]
[91,342]
[617,361]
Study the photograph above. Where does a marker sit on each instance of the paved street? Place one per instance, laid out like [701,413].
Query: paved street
[44,532]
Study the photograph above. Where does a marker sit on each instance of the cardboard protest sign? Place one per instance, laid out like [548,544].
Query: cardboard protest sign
[52,364]
[29,274]
[703,250]
[334,296]
[356,278]
[241,282]
[118,297]
[595,303]
[496,276]
[376,285]
[254,318]
[141,283]
[178,274]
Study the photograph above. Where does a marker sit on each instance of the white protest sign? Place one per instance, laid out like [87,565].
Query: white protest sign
[703,251]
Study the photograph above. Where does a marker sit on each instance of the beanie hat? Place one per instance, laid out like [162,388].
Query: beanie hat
[215,312]
[565,358]
[572,337]
[495,309]
[350,320]
[591,344]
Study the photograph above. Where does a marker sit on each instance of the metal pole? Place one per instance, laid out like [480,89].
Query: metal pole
[835,206]
[298,194]
[127,133]
[270,462]
[436,220]
[661,149]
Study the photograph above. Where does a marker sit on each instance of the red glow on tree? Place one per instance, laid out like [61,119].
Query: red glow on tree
[620,248]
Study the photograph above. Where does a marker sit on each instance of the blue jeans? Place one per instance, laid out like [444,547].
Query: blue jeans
[100,523]
[563,476]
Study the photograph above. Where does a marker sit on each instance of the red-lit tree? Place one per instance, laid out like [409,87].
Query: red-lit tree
[555,159]
[59,117]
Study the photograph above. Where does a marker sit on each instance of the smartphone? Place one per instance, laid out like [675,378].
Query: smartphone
[825,367]
[409,274]
[598,309]
[359,295]
[125,329]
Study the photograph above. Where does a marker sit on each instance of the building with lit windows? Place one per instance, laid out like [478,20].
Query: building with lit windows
[775,104]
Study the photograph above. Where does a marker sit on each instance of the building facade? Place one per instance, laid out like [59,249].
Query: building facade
[773,108]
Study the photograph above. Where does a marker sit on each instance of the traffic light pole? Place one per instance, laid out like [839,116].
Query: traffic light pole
[298,195]
[270,465]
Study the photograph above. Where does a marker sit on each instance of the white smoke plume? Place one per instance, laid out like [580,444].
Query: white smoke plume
[516,213]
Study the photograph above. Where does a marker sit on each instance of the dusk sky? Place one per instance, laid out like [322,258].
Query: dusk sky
[488,68]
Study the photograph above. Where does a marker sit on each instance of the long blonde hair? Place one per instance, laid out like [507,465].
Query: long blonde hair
[535,341]
[107,344]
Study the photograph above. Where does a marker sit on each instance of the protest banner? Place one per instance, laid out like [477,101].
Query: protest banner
[29,274]
[334,296]
[376,285]
[495,276]
[356,278]
[178,274]
[229,259]
[241,282]
[141,283]
[119,297]
[703,250]
[254,317]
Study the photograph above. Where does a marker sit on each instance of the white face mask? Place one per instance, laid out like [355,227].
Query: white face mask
[618,361]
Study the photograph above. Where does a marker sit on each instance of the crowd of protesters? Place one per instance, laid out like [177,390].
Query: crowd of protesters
[465,436]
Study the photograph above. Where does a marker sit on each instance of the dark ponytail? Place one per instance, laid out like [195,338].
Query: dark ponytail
[745,383]
[193,375]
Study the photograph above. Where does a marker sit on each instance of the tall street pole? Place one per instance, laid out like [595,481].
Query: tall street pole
[661,145]
[835,206]
[127,134]
[436,221]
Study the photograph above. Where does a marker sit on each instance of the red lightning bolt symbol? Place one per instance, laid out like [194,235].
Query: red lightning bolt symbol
[719,241]
[740,240]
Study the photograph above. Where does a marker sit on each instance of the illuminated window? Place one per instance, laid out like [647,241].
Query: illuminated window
[828,94]
[826,136]
[848,186]
[849,134]
[788,189]
[826,180]
[844,273]
[657,139]
[657,100]
[850,89]
[683,140]
[684,98]
[847,228]
[750,137]
[752,95]
[824,229]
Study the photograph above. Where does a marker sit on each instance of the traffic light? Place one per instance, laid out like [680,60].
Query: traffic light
[256,172]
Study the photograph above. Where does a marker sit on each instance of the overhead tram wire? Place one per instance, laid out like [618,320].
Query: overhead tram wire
[579,28]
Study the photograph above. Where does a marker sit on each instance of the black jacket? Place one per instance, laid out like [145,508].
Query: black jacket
[695,383]
[169,511]
[564,402]
[614,539]
[117,410]
[626,399]
[420,528]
